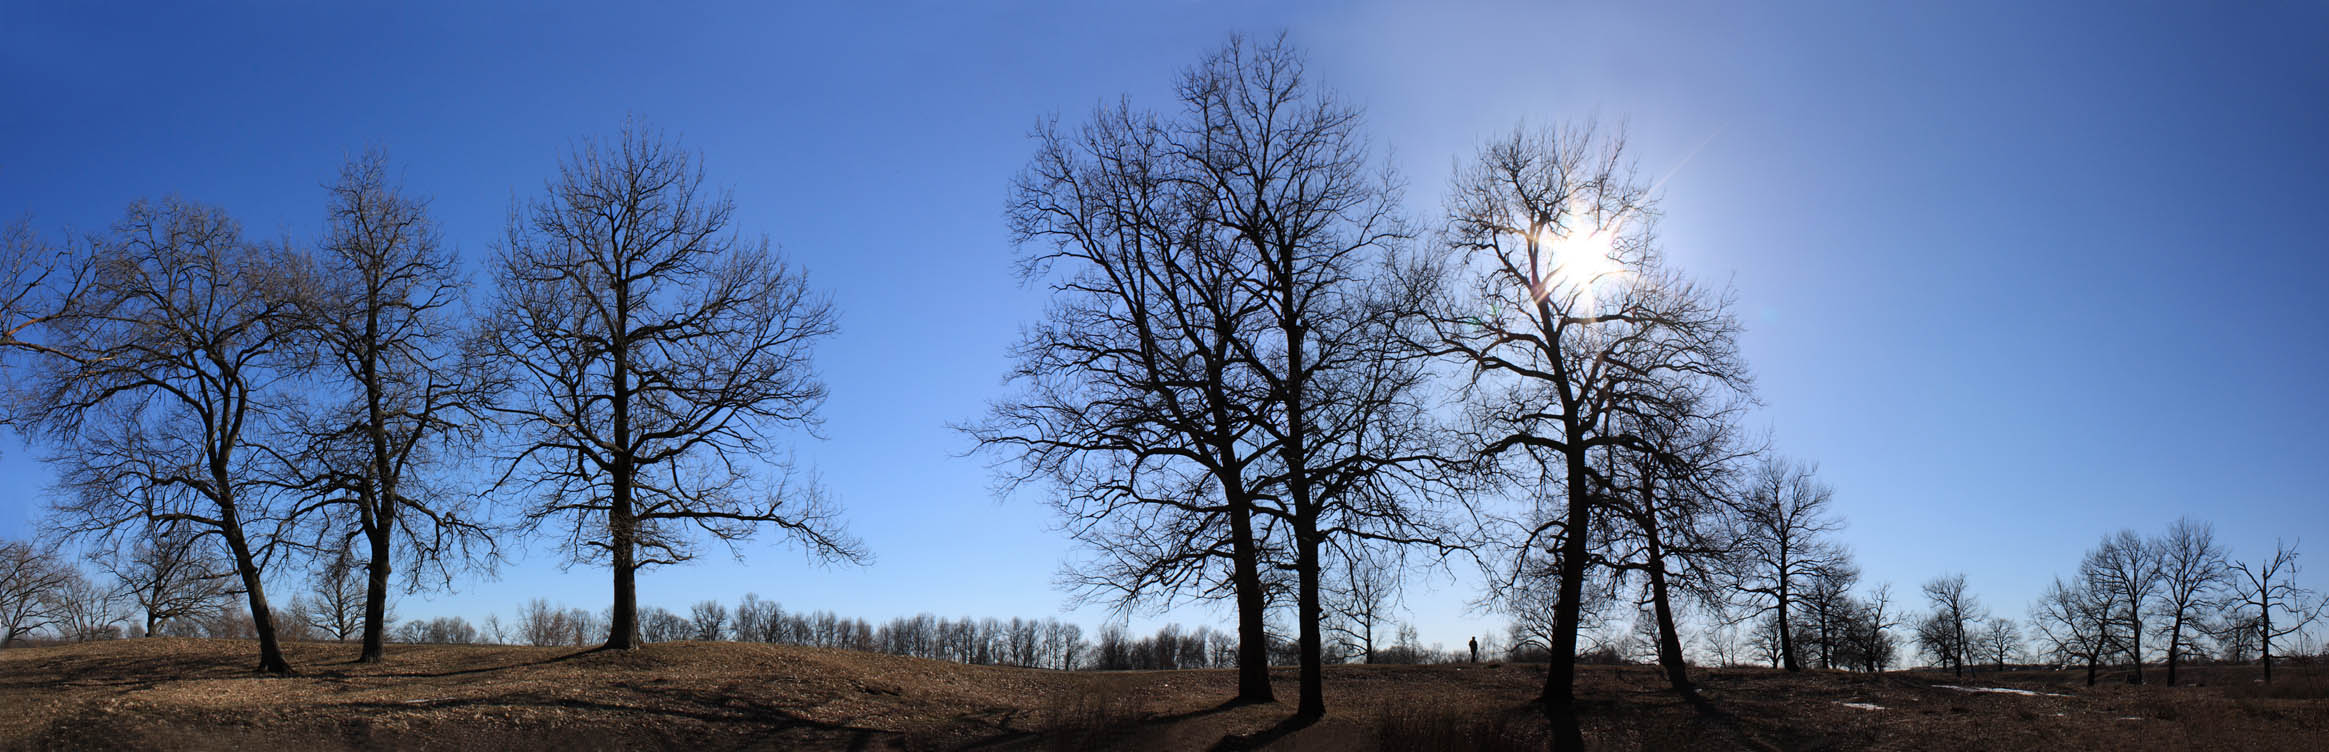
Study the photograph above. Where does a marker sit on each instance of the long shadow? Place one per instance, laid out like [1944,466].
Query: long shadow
[1726,719]
[1009,736]
[468,671]
[1265,737]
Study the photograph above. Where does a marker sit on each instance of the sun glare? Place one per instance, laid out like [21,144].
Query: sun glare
[1581,259]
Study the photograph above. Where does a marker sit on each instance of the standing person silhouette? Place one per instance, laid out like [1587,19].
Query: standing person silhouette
[1475,650]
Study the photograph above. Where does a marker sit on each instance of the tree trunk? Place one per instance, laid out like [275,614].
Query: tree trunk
[1560,698]
[375,597]
[623,629]
[2174,645]
[1253,641]
[1313,702]
[1786,635]
[262,618]
[1669,640]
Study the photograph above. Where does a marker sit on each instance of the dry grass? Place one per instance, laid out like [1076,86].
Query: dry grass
[200,694]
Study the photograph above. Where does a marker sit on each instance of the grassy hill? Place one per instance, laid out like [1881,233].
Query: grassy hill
[201,694]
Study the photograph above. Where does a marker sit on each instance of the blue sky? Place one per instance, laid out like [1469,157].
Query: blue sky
[2015,276]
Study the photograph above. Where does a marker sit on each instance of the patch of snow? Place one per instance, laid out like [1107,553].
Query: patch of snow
[1862,705]
[2000,690]
[2129,718]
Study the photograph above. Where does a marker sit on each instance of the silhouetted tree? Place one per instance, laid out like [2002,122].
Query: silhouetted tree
[2192,573]
[1132,406]
[1947,633]
[378,322]
[2127,572]
[160,385]
[1999,641]
[2267,600]
[2074,622]
[1556,304]
[1782,545]
[652,353]
[1362,602]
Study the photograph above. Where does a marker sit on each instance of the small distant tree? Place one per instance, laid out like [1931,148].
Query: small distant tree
[1363,602]
[28,574]
[338,608]
[171,574]
[86,610]
[653,352]
[709,620]
[2001,640]
[1948,634]
[2267,600]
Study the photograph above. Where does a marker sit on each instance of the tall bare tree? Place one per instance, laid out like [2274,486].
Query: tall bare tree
[172,574]
[161,383]
[2126,570]
[379,317]
[2193,574]
[2267,600]
[654,354]
[1559,308]
[1131,405]
[1667,511]
[1783,545]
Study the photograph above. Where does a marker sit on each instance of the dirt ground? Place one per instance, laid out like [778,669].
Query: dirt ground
[202,695]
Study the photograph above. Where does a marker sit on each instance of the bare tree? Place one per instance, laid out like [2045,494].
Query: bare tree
[653,353]
[1559,308]
[1782,545]
[2074,621]
[1363,601]
[378,317]
[85,609]
[1948,633]
[2127,572]
[1826,607]
[1999,641]
[1666,514]
[709,620]
[171,574]
[160,385]
[28,573]
[2193,573]
[2268,601]
[1867,628]
[340,604]
[1132,407]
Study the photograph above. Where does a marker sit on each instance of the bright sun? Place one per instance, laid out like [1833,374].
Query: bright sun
[1582,257]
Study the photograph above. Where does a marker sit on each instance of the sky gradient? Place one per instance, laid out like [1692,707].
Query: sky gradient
[2014,276]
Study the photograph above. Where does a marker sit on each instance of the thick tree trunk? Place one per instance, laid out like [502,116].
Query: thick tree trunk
[623,629]
[1786,635]
[1313,702]
[376,597]
[2174,645]
[1559,698]
[1253,641]
[1669,640]
[262,618]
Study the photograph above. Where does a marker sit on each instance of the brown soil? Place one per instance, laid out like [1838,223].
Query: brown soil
[202,694]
